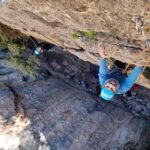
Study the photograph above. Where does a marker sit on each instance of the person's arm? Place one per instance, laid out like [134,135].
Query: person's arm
[131,79]
[103,70]
[103,67]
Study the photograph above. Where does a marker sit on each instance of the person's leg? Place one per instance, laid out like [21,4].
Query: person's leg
[132,91]
[128,94]
[98,89]
[135,87]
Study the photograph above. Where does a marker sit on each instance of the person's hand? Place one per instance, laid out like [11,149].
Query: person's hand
[139,65]
[101,51]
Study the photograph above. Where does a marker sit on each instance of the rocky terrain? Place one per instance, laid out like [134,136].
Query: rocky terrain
[79,25]
[56,116]
[60,109]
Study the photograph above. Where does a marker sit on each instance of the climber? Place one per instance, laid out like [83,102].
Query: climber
[114,81]
[38,47]
[38,50]
[41,48]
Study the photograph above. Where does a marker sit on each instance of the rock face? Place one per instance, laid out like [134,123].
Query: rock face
[7,73]
[79,25]
[69,68]
[127,18]
[59,116]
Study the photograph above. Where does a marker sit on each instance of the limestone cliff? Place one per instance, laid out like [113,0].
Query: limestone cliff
[54,112]
[81,24]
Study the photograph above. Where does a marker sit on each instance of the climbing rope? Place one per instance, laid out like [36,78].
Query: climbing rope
[146,64]
[137,57]
[147,44]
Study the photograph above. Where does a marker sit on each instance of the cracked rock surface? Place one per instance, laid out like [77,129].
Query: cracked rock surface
[60,113]
[59,116]
[123,29]
[7,73]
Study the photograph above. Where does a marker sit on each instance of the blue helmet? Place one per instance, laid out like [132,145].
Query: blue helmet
[106,94]
[36,52]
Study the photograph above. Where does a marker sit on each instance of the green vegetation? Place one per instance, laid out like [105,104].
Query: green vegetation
[28,67]
[74,36]
[89,34]
[14,42]
[3,41]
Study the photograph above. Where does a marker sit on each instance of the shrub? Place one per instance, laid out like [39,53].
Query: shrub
[3,41]
[14,42]
[16,49]
[29,67]
[90,34]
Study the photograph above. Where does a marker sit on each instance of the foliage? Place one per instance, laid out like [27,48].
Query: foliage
[90,34]
[28,67]
[14,42]
[33,65]
[16,49]
[74,36]
[3,41]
